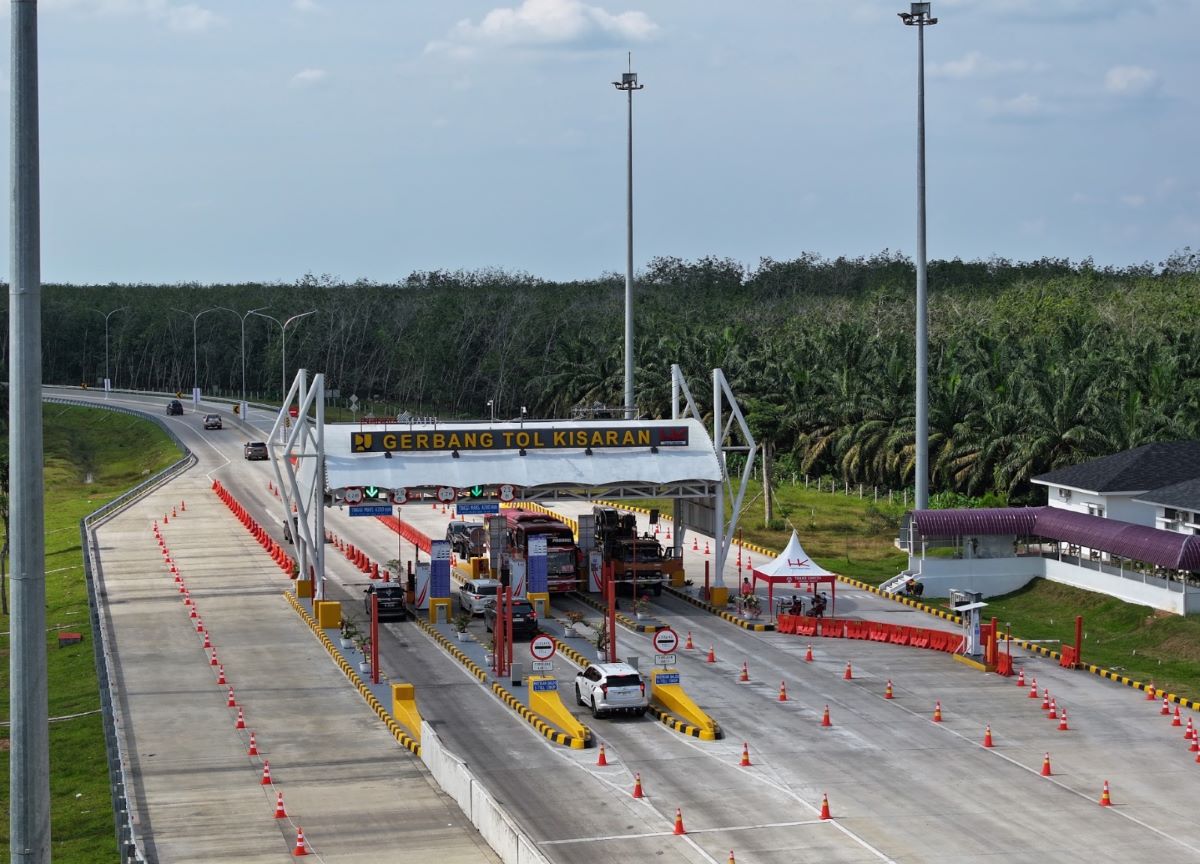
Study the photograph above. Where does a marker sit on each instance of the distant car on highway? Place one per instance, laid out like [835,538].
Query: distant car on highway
[212,421]
[524,619]
[174,407]
[255,450]
[477,593]
[391,601]
[611,688]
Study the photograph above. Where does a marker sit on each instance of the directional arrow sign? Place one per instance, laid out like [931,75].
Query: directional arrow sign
[372,492]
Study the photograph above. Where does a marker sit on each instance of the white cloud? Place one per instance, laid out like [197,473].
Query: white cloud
[1129,80]
[308,77]
[546,23]
[975,64]
[1024,105]
[180,17]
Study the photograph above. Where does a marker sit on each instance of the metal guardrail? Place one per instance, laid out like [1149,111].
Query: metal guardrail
[129,844]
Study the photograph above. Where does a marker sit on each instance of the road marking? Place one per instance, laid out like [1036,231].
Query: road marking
[690,831]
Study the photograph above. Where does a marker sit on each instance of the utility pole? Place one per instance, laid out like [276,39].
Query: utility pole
[29,765]
[629,83]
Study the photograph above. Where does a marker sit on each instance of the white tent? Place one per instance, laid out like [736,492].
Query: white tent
[793,567]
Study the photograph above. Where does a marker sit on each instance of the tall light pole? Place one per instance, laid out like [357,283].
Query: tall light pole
[918,16]
[107,315]
[244,316]
[629,83]
[283,325]
[195,316]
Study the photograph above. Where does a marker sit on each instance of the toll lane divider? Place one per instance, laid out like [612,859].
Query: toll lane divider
[418,538]
[548,731]
[754,626]
[397,732]
[874,631]
[708,728]
[622,619]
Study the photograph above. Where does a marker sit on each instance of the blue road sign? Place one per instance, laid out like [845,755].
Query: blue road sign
[666,678]
[547,684]
[371,510]
[477,508]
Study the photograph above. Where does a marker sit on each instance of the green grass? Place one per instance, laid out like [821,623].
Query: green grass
[91,456]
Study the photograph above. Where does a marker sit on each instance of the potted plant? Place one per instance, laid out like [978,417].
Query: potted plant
[573,619]
[348,633]
[489,652]
[460,622]
[641,607]
[364,645]
[602,637]
[751,606]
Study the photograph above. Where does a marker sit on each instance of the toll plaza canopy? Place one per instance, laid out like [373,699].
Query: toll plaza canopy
[538,459]
[793,567]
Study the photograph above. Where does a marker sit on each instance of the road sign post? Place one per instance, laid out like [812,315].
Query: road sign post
[542,647]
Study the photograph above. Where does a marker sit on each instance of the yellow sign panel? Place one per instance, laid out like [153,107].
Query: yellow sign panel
[545,438]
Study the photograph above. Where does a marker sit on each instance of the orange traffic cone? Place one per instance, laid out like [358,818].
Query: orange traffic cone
[280,813]
[848,675]
[1190,732]
[212,661]
[825,814]
[731,861]
[601,760]
[688,645]
[173,513]
[166,520]
[1046,766]
[825,717]
[266,778]
[1062,721]
[231,702]
[712,657]
[241,721]
[745,755]
[695,543]
[887,693]
[183,506]
[745,673]
[783,691]
[937,711]
[1176,721]
[637,786]
[1053,715]
[679,821]
[1166,707]
[221,674]
[808,655]
[253,751]
[1150,692]
[706,551]
[1021,678]
[1046,699]
[1105,798]
[1033,688]
[207,641]
[987,736]
[301,848]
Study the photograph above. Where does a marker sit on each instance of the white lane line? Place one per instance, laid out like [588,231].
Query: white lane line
[672,833]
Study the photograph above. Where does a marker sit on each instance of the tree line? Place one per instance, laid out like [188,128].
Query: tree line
[1033,365]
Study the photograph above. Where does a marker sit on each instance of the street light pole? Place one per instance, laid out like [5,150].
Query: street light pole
[919,16]
[283,325]
[629,83]
[107,315]
[243,317]
[195,316]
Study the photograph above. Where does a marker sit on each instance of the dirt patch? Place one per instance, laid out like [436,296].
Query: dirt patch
[5,746]
[1181,646]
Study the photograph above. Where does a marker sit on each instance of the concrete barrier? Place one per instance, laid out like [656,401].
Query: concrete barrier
[666,690]
[548,704]
[404,708]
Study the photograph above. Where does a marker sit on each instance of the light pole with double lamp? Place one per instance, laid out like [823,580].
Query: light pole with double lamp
[283,325]
[629,83]
[195,316]
[244,316]
[919,16]
[107,315]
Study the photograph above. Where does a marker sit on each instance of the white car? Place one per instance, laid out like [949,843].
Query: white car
[477,593]
[611,687]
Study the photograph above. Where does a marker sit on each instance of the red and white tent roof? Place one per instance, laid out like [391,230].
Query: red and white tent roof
[792,563]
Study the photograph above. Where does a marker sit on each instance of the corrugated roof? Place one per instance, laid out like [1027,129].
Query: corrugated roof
[1135,542]
[1185,495]
[1150,466]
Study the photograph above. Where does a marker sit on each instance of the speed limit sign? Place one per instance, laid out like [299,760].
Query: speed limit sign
[666,641]
[542,648]
[446,494]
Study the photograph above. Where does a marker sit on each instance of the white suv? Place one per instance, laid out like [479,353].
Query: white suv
[609,687]
[477,593]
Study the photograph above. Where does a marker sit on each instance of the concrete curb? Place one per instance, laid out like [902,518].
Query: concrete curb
[720,613]
[622,619]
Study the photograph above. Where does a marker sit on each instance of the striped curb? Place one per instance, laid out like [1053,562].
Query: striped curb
[664,717]
[397,731]
[708,607]
[548,731]
[623,619]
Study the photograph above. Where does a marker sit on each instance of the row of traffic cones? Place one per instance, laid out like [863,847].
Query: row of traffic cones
[639,792]
[278,554]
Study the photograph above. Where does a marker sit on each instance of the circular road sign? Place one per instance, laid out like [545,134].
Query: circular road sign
[352,495]
[666,641]
[542,648]
[508,492]
[446,494]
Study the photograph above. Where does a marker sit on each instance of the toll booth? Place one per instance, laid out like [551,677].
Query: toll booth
[968,604]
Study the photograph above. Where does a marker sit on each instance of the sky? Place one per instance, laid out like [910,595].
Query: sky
[262,140]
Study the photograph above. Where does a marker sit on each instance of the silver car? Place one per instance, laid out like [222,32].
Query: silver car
[477,593]
[611,687]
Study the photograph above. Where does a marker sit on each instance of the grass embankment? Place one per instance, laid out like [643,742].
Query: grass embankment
[853,537]
[91,456]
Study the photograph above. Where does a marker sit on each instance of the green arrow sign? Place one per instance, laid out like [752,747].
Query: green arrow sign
[372,491]
[476,491]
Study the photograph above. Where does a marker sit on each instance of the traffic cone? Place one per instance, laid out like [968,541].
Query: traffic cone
[1046,766]
[1033,688]
[745,755]
[212,661]
[231,702]
[1176,721]
[183,506]
[221,674]
[937,711]
[207,641]
[808,655]
[280,813]
[637,786]
[253,751]
[695,543]
[1053,715]
[1195,748]
[166,520]
[173,513]
[848,675]
[987,736]
[731,861]
[1190,732]
[689,646]
[1166,707]
[783,691]
[825,717]
[679,822]
[266,778]
[1021,678]
[601,760]
[301,848]
[1062,721]
[712,657]
[1046,699]
[1105,798]
[825,814]
[745,674]
[887,693]
[1150,692]
[241,721]
[706,551]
